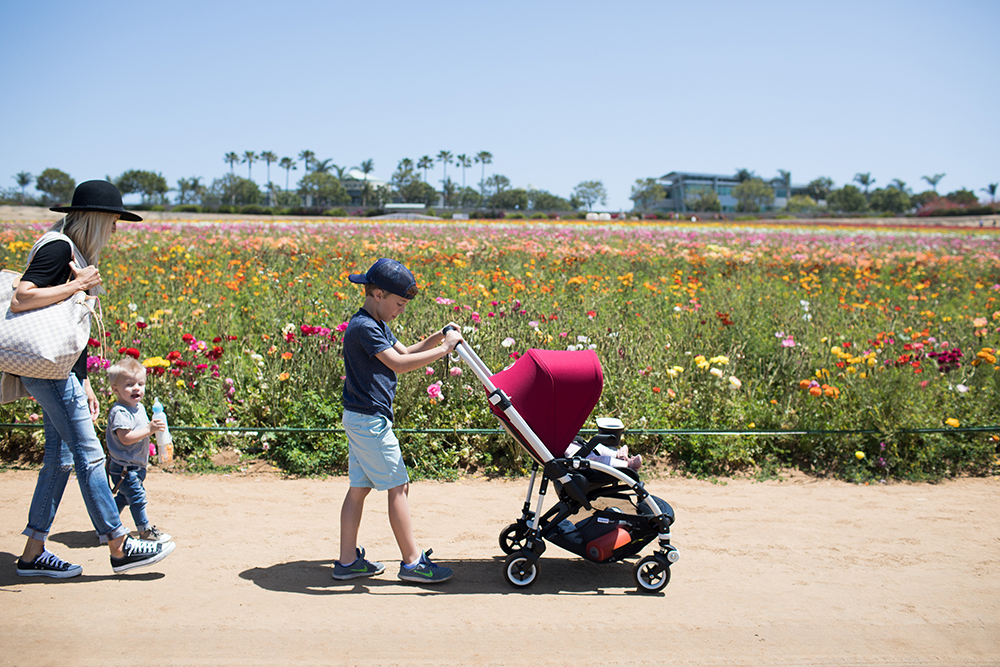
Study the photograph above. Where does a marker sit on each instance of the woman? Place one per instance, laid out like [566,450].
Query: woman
[69,407]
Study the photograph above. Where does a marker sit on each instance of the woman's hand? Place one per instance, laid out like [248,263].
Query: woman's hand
[29,296]
[92,402]
[86,278]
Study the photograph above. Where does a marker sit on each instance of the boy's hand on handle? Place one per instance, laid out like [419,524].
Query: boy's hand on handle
[88,277]
[452,336]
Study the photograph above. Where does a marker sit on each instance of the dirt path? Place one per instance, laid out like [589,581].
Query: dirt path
[799,572]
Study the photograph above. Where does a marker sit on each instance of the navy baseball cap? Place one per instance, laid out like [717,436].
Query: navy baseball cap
[390,275]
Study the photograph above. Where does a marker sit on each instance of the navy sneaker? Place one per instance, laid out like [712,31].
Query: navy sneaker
[359,568]
[48,564]
[425,571]
[140,553]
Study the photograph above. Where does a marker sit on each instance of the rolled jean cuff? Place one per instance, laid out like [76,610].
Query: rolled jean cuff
[33,534]
[116,533]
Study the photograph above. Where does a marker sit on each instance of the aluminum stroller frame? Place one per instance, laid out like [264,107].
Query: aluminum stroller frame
[578,481]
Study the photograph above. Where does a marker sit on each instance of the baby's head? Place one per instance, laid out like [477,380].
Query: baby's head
[128,381]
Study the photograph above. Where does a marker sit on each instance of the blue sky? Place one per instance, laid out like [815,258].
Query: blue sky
[559,92]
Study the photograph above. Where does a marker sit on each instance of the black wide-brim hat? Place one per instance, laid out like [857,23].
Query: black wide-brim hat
[97,196]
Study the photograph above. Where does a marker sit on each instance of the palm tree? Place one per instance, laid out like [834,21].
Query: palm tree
[406,164]
[366,167]
[249,157]
[287,164]
[306,157]
[23,179]
[899,185]
[425,163]
[990,189]
[444,157]
[464,162]
[232,158]
[865,180]
[323,167]
[933,180]
[484,158]
[268,157]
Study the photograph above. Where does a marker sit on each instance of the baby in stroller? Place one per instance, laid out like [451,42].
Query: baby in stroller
[617,458]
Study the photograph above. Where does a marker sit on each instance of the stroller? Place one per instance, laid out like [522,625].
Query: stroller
[542,400]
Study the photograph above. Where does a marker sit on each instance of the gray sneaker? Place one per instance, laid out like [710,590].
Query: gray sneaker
[154,534]
[359,568]
[425,571]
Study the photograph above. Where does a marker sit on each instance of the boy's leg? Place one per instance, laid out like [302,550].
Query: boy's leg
[402,525]
[350,522]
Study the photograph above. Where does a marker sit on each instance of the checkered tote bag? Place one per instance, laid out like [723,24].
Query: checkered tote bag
[44,342]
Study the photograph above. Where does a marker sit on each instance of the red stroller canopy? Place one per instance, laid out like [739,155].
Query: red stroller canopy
[554,391]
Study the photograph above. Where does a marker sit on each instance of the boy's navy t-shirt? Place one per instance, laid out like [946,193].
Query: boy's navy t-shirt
[370,386]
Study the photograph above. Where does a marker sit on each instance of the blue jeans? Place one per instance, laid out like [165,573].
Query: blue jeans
[131,492]
[70,440]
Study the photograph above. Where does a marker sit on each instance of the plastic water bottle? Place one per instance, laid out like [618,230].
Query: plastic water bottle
[164,442]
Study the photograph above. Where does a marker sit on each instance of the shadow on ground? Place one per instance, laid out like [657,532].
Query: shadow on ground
[9,576]
[472,577]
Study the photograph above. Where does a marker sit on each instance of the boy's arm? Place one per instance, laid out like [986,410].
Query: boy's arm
[430,342]
[400,359]
[129,438]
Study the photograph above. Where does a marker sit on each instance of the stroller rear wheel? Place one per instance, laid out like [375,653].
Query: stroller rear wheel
[651,574]
[519,570]
[512,538]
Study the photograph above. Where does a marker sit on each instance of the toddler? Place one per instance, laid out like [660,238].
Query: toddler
[129,430]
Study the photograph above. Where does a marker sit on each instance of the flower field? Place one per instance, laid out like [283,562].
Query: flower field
[881,344]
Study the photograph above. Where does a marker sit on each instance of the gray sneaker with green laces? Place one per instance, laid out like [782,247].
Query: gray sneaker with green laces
[359,568]
[425,571]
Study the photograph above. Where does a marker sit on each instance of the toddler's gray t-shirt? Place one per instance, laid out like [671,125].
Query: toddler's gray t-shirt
[123,416]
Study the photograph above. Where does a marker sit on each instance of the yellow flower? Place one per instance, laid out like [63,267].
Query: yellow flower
[952,422]
[716,372]
[180,383]
[721,360]
[151,362]
[284,376]
[859,455]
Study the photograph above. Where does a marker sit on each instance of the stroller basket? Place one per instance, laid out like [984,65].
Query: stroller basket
[543,400]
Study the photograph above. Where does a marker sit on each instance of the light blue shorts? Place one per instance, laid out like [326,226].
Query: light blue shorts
[374,460]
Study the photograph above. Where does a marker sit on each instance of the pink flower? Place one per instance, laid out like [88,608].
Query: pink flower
[455,371]
[434,390]
[342,327]
[443,301]
[476,318]
[429,371]
[788,342]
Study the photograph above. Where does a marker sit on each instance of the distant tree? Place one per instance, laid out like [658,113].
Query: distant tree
[890,200]
[900,185]
[800,204]
[495,184]
[288,164]
[484,158]
[375,195]
[57,185]
[249,157]
[469,198]
[819,188]
[753,195]
[268,157]
[646,192]
[848,199]
[464,162]
[323,166]
[236,190]
[23,179]
[865,181]
[786,178]
[590,193]
[325,189]
[704,200]
[307,157]
[425,163]
[416,191]
[189,190]
[444,157]
[403,176]
[449,192]
[541,200]
[232,159]
[933,180]
[366,167]
[921,199]
[512,198]
[152,186]
[990,189]
[963,197]
[743,175]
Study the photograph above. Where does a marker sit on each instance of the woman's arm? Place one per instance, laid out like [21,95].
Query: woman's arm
[29,296]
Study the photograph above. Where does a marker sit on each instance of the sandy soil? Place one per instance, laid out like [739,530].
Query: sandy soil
[798,572]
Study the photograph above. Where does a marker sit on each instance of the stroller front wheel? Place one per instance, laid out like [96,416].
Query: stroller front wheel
[651,574]
[512,538]
[519,570]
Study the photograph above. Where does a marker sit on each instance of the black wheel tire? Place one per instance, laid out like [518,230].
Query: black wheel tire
[519,571]
[651,574]
[511,539]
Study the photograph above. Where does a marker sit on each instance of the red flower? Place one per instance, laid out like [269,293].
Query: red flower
[174,356]
[93,342]
[130,351]
[141,325]
[214,353]
[187,338]
[217,340]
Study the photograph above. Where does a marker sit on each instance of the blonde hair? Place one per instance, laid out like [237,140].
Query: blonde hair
[127,366]
[89,231]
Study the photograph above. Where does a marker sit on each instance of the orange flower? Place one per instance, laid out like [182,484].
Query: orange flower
[803,384]
[284,376]
[286,355]
[815,391]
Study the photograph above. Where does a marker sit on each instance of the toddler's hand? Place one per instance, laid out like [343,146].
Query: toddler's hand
[157,425]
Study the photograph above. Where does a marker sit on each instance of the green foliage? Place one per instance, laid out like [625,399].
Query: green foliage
[541,200]
[232,190]
[590,193]
[890,200]
[647,192]
[514,198]
[963,197]
[57,185]
[753,195]
[819,188]
[848,199]
[324,188]
[801,204]
[152,186]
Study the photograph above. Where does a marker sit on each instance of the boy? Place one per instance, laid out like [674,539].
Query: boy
[372,358]
[128,435]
